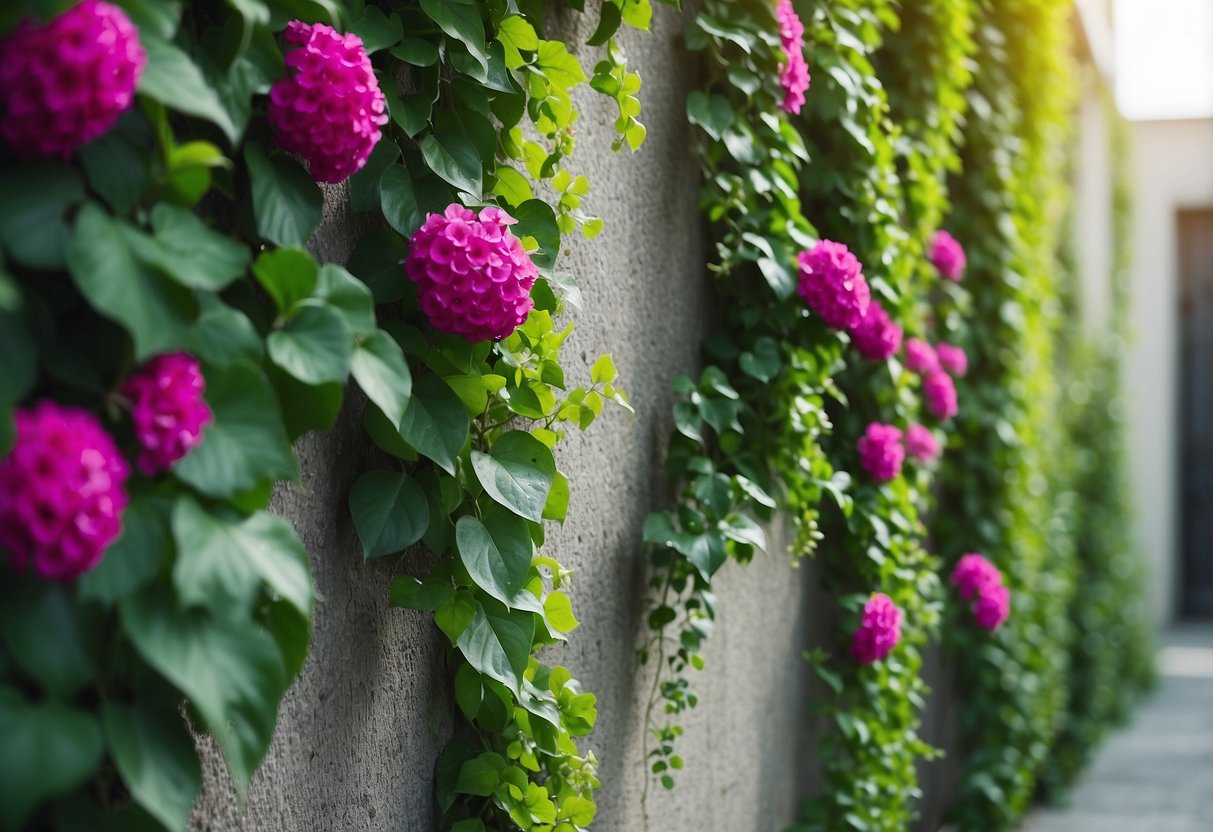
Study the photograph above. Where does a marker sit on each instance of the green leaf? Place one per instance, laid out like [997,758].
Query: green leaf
[454,616]
[46,635]
[222,559]
[153,310]
[517,473]
[349,296]
[222,335]
[364,185]
[155,755]
[246,443]
[608,24]
[134,559]
[306,407]
[763,361]
[171,78]
[455,159]
[428,595]
[480,775]
[377,261]
[460,19]
[287,204]
[706,551]
[186,250]
[713,114]
[557,506]
[416,51]
[116,164]
[377,30]
[558,610]
[18,357]
[49,749]
[560,67]
[316,346]
[435,421]
[382,373]
[536,219]
[390,512]
[497,555]
[498,643]
[229,668]
[289,275]
[399,201]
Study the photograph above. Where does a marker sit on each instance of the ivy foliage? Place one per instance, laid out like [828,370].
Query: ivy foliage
[184,228]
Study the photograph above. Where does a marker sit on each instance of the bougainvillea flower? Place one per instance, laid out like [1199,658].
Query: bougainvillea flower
[62,492]
[794,70]
[329,108]
[880,451]
[921,443]
[473,275]
[940,394]
[168,409]
[832,283]
[879,630]
[921,357]
[948,256]
[952,359]
[973,574]
[992,608]
[876,336]
[65,83]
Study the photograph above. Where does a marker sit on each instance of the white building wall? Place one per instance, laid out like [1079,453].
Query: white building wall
[1173,170]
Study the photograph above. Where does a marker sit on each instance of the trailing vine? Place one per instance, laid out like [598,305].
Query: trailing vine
[164,255]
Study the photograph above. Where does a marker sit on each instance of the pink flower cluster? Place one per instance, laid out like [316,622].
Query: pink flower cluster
[879,630]
[921,357]
[330,109]
[794,72]
[954,360]
[473,276]
[980,582]
[65,83]
[921,444]
[940,394]
[832,283]
[168,409]
[880,451]
[948,256]
[876,336]
[62,492]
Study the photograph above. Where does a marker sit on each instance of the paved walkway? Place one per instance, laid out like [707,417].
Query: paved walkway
[1155,775]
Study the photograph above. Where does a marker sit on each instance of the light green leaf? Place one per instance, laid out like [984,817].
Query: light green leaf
[289,275]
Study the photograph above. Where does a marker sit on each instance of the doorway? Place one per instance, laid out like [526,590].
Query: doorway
[1196,411]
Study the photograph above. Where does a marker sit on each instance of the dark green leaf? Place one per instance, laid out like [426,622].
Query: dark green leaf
[222,560]
[223,335]
[35,198]
[390,512]
[382,373]
[349,296]
[185,249]
[246,443]
[48,749]
[171,78]
[497,555]
[134,559]
[377,30]
[153,310]
[460,19]
[44,630]
[517,473]
[286,202]
[455,159]
[428,595]
[498,643]
[536,219]
[155,755]
[399,200]
[230,669]
[435,421]
[316,346]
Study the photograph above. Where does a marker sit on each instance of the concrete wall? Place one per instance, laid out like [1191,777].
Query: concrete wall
[1173,169]
[360,730]
[1093,212]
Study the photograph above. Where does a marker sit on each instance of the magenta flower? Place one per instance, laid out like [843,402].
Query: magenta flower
[952,359]
[876,336]
[65,83]
[879,629]
[974,575]
[62,492]
[832,283]
[473,276]
[992,608]
[948,256]
[921,443]
[168,409]
[794,71]
[330,108]
[880,451]
[921,357]
[940,393]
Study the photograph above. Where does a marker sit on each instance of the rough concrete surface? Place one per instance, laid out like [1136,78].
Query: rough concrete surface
[360,730]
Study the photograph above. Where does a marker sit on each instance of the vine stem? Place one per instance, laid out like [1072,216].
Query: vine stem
[653,690]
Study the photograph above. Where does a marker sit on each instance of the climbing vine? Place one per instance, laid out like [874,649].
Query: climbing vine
[159,302]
